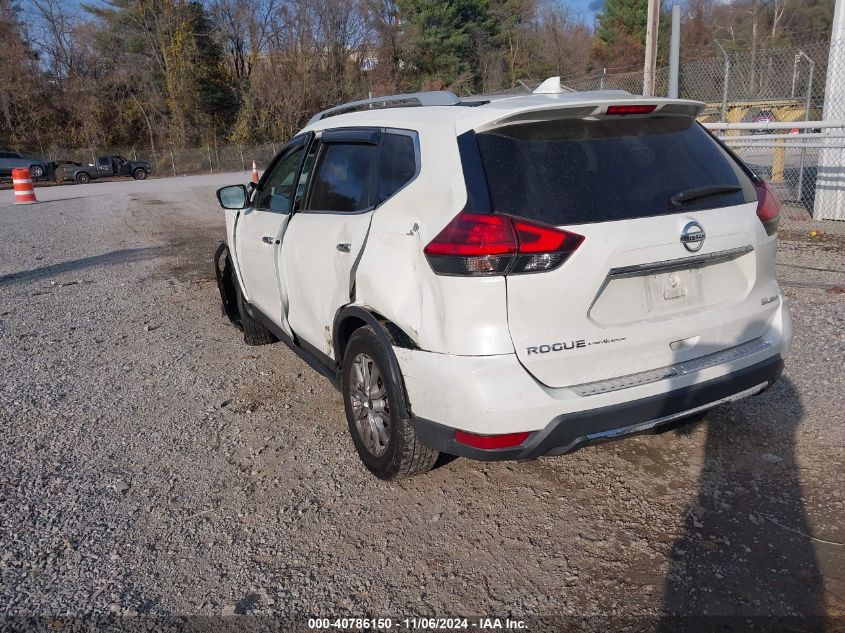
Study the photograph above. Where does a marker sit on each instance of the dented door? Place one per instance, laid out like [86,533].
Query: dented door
[325,239]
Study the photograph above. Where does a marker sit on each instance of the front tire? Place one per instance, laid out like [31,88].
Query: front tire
[82,178]
[139,174]
[36,171]
[226,284]
[377,411]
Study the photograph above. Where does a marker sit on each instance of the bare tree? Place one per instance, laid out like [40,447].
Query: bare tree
[245,28]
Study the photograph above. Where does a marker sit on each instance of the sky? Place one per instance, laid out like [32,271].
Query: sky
[588,8]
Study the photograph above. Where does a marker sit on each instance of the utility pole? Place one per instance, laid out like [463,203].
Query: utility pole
[651,31]
[675,52]
[830,176]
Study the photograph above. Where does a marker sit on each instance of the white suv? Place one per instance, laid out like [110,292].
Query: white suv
[510,277]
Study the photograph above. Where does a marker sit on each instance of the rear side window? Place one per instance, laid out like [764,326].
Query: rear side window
[398,164]
[578,171]
[342,178]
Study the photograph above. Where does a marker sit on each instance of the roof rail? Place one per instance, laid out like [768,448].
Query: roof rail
[431,98]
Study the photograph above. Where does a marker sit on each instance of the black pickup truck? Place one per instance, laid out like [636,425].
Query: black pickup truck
[105,167]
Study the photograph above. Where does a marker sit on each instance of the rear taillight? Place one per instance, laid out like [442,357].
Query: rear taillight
[630,109]
[496,244]
[768,207]
[488,442]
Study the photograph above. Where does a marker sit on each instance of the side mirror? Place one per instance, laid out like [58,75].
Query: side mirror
[232,197]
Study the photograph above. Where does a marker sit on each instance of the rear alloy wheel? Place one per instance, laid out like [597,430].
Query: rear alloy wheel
[82,178]
[36,171]
[376,410]
[370,405]
[139,174]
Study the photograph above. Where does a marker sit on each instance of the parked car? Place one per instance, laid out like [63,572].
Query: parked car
[105,167]
[10,160]
[764,116]
[507,278]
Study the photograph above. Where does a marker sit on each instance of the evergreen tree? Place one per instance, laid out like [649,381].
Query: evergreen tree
[446,38]
[621,19]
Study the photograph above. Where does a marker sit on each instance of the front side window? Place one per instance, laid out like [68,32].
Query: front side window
[279,188]
[342,178]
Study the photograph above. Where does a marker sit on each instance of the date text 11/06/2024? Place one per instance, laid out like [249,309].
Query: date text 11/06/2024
[416,624]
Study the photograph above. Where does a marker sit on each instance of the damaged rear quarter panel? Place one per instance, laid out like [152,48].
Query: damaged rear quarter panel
[395,279]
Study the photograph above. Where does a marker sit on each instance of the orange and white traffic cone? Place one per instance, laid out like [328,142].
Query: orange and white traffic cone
[24,191]
[254,173]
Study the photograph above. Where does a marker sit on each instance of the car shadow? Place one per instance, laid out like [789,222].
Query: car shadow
[744,560]
[122,256]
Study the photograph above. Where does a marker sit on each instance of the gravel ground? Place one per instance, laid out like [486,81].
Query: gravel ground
[153,464]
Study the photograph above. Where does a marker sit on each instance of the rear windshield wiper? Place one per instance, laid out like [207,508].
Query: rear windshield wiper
[703,192]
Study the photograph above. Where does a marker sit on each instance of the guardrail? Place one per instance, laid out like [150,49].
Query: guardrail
[776,125]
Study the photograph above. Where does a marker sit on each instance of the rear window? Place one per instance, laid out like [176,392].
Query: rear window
[398,164]
[342,179]
[578,171]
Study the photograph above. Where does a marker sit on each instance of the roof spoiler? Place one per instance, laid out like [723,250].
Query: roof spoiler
[563,110]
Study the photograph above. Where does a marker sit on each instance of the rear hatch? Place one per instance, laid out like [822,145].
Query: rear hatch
[670,255]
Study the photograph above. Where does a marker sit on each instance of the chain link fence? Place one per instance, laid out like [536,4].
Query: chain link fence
[177,162]
[792,170]
[789,78]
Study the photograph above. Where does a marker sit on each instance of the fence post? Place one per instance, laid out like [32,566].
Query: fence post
[778,161]
[801,53]
[601,79]
[675,52]
[243,164]
[172,162]
[829,203]
[726,82]
[210,163]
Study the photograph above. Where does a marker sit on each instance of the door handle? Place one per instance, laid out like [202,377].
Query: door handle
[267,239]
[344,247]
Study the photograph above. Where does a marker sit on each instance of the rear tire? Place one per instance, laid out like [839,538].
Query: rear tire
[139,174]
[254,332]
[82,178]
[377,411]
[36,171]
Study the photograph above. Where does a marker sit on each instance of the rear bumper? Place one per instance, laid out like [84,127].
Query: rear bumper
[568,432]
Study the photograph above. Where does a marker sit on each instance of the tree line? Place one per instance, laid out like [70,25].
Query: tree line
[181,73]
